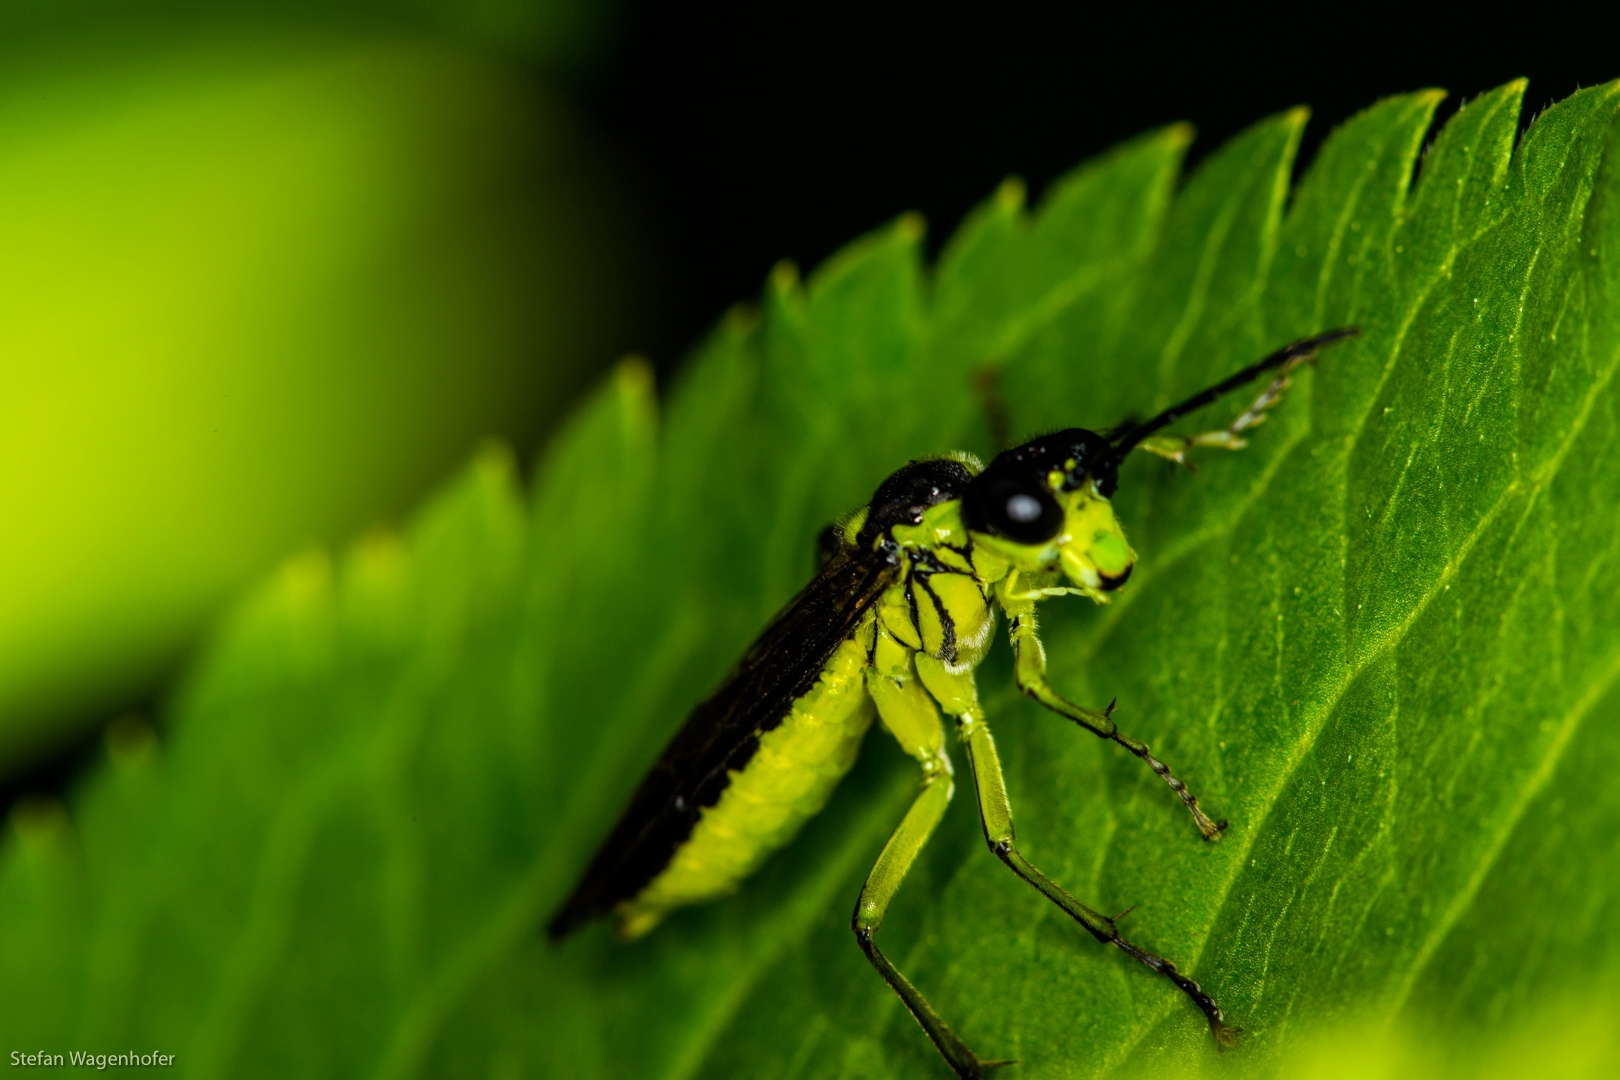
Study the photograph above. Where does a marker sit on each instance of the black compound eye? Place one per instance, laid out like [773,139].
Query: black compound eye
[1021,514]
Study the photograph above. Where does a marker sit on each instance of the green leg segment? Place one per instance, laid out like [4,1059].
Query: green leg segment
[1175,447]
[881,885]
[910,715]
[996,813]
[1030,673]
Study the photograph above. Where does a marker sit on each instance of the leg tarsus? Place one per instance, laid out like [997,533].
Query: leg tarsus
[1225,1034]
[1211,830]
[1104,930]
[1102,725]
[1175,447]
[963,1062]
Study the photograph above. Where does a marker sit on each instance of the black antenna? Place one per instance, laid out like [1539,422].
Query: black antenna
[1297,353]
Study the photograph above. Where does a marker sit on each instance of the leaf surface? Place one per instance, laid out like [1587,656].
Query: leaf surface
[1380,641]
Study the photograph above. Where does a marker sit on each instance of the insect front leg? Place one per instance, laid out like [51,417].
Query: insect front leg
[957,694]
[1029,671]
[1175,447]
[910,716]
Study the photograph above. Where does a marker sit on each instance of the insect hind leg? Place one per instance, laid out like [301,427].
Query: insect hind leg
[881,886]
[912,718]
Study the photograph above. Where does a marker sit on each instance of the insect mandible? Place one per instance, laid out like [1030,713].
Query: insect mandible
[895,622]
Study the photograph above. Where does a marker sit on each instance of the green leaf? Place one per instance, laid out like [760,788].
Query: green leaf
[1380,641]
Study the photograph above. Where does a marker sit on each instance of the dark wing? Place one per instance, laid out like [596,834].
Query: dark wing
[723,732]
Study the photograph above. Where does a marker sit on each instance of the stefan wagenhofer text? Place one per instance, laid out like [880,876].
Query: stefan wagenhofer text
[133,1059]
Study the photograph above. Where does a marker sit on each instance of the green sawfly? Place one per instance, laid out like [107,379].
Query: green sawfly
[894,623]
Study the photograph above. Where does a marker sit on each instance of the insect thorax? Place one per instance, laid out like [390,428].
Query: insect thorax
[941,604]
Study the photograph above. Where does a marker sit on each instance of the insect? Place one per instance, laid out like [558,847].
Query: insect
[899,615]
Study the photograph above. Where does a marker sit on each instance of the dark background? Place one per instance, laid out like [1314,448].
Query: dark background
[777,131]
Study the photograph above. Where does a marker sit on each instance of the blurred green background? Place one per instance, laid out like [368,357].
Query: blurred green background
[263,281]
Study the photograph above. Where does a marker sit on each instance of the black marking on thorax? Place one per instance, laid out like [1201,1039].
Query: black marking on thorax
[923,565]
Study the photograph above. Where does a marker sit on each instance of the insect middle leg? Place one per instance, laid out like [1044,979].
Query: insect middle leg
[956,692]
[911,717]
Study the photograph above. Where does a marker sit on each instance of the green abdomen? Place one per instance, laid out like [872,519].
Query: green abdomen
[787,781]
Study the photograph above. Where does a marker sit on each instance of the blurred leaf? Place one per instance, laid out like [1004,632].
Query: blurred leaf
[257,293]
[1380,641]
